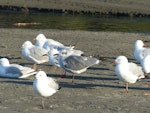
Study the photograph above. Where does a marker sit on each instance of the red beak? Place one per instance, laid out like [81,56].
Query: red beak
[144,45]
[113,62]
[34,38]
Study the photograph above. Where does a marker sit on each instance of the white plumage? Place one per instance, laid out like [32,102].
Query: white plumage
[45,86]
[14,70]
[127,71]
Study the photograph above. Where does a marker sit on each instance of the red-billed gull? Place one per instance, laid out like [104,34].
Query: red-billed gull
[45,86]
[42,41]
[74,63]
[140,50]
[14,70]
[127,71]
[33,53]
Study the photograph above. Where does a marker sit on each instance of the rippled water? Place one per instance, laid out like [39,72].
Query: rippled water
[75,22]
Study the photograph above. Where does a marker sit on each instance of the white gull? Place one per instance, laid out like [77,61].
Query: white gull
[33,53]
[45,86]
[42,41]
[74,63]
[127,71]
[140,50]
[14,70]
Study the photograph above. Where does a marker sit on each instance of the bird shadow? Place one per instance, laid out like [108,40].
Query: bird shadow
[16,81]
[10,57]
[92,86]
[72,85]
[97,68]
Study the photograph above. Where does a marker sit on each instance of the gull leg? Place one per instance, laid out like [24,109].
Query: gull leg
[148,83]
[127,87]
[54,67]
[63,74]
[42,102]
[34,67]
[72,79]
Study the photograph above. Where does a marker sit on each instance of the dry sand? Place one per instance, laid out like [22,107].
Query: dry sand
[97,90]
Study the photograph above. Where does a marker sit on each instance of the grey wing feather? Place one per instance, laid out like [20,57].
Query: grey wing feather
[38,52]
[79,62]
[13,71]
[53,84]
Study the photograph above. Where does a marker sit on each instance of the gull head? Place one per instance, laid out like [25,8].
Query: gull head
[27,44]
[139,44]
[121,59]
[52,51]
[40,75]
[40,40]
[4,62]
[41,37]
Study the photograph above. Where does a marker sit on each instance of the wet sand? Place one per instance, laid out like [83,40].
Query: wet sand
[97,90]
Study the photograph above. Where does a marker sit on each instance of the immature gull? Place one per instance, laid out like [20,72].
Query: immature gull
[75,64]
[14,70]
[33,53]
[127,71]
[140,51]
[45,86]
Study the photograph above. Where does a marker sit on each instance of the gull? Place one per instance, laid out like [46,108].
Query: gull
[45,86]
[75,64]
[42,41]
[14,70]
[127,71]
[53,59]
[47,44]
[33,53]
[145,62]
[140,50]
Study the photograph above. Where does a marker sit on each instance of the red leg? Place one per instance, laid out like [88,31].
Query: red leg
[73,78]
[42,102]
[63,74]
[54,67]
[148,83]
[127,87]
[34,67]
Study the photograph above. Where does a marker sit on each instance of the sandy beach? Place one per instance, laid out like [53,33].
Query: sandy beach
[97,90]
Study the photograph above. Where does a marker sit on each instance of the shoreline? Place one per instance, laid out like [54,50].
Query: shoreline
[119,8]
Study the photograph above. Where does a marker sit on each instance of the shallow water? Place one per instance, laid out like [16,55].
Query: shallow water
[75,22]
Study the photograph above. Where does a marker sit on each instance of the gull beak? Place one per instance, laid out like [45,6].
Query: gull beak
[144,45]
[34,38]
[113,62]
